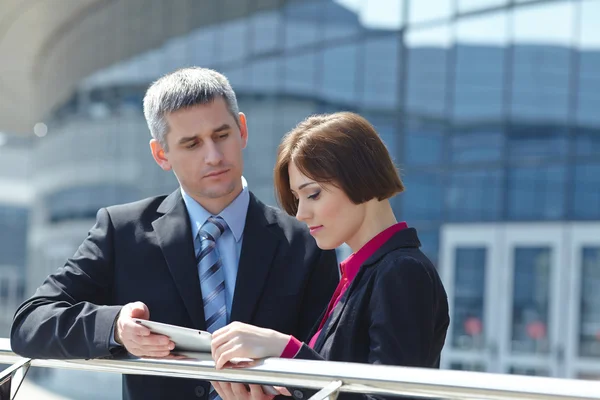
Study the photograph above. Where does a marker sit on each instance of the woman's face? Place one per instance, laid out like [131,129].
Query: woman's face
[330,215]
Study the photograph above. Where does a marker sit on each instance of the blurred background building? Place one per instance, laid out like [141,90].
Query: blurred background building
[491,109]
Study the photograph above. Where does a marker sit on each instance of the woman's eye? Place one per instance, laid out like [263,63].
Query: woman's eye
[314,196]
[191,145]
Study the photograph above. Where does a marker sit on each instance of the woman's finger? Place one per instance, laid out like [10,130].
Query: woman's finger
[227,355]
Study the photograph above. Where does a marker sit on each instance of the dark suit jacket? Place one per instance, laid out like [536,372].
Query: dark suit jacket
[395,312]
[144,251]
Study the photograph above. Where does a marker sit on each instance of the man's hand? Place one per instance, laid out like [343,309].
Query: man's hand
[137,339]
[240,391]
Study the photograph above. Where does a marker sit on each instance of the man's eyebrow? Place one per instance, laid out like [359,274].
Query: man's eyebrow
[224,127]
[186,139]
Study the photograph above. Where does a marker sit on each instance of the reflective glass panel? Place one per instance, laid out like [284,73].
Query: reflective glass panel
[589,317]
[588,96]
[381,72]
[480,59]
[423,143]
[586,203]
[531,300]
[536,192]
[475,195]
[542,60]
[427,71]
[469,298]
[422,200]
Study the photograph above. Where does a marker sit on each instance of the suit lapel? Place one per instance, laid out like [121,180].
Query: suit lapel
[258,249]
[174,235]
[333,320]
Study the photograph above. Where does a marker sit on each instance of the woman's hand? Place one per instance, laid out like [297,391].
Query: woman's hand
[246,341]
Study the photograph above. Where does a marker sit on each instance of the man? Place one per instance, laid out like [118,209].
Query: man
[205,255]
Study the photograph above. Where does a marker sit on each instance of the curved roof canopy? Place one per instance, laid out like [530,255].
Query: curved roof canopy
[48,46]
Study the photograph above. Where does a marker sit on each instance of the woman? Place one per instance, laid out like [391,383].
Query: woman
[334,173]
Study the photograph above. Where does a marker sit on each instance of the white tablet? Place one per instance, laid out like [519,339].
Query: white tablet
[185,339]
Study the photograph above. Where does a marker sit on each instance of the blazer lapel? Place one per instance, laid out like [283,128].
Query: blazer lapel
[334,318]
[173,231]
[258,249]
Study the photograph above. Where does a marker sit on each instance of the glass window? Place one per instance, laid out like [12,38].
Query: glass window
[339,74]
[472,5]
[586,203]
[422,200]
[424,143]
[479,76]
[531,300]
[423,11]
[587,140]
[476,144]
[13,235]
[265,28]
[469,298]
[530,141]
[300,74]
[529,371]
[85,201]
[202,46]
[542,58]
[430,243]
[385,125]
[232,44]
[265,76]
[468,366]
[427,71]
[475,195]
[588,96]
[302,21]
[338,21]
[381,70]
[589,321]
[536,193]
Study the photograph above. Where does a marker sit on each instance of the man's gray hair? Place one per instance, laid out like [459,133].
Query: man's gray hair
[181,89]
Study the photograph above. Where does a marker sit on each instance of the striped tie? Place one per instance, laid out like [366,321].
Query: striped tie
[212,281]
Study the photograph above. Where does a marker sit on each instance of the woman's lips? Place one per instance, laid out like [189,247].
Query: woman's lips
[315,229]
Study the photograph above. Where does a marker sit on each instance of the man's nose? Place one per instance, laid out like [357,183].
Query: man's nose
[213,154]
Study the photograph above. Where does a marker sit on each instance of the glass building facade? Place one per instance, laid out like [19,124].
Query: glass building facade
[488,107]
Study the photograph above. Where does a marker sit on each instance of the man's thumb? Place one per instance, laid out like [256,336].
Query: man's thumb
[139,310]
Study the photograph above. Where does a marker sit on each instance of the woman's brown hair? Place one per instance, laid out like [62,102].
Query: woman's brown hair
[342,149]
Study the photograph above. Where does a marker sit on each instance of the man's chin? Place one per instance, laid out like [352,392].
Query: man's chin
[217,193]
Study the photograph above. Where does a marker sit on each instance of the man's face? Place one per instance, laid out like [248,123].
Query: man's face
[205,153]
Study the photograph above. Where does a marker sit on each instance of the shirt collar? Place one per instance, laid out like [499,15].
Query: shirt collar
[351,265]
[234,214]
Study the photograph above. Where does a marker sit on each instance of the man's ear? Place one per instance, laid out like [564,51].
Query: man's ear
[159,155]
[243,130]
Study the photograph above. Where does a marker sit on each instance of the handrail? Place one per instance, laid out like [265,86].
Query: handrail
[357,378]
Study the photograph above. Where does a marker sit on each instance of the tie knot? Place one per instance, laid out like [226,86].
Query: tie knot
[213,228]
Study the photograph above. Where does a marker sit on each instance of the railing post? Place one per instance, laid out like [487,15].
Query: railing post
[328,392]
[6,378]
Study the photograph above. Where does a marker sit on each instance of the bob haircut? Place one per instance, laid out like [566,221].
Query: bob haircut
[342,149]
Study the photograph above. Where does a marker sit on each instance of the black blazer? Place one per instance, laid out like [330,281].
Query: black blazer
[144,251]
[395,312]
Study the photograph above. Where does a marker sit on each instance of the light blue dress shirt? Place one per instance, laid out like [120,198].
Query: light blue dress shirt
[229,245]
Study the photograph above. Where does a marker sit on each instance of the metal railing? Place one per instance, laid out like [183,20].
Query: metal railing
[327,376]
